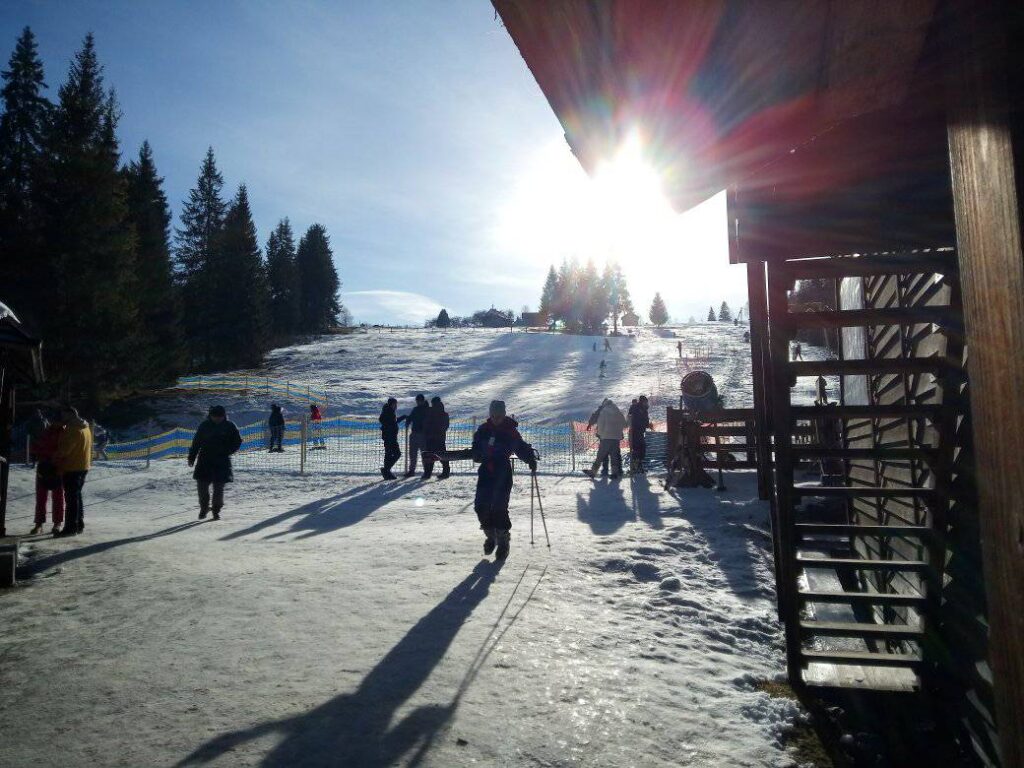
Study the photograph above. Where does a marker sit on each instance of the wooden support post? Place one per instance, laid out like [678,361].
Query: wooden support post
[987,204]
[758,340]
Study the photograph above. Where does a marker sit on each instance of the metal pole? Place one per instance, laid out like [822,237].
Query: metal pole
[302,448]
[572,444]
[407,447]
[532,479]
[540,506]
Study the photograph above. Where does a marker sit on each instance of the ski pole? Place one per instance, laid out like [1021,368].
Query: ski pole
[540,506]
[531,510]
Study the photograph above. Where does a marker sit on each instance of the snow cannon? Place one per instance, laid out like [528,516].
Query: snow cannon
[700,395]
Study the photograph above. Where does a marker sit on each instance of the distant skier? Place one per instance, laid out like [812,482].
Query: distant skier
[639,423]
[215,441]
[679,349]
[435,430]
[316,425]
[595,346]
[276,424]
[610,426]
[48,481]
[416,419]
[100,438]
[389,434]
[494,444]
[798,352]
[601,368]
[607,345]
[746,337]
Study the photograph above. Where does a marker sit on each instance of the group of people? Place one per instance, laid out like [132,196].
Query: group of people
[611,426]
[276,423]
[428,432]
[62,449]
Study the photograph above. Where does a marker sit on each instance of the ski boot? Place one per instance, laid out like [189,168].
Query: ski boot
[36,529]
[504,540]
[55,531]
[216,513]
[202,513]
[489,542]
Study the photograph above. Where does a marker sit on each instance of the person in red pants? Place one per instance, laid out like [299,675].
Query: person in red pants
[48,480]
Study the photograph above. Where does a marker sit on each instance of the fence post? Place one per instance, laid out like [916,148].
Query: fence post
[407,447]
[572,444]
[302,450]
[307,394]
[267,390]
[245,383]
[288,389]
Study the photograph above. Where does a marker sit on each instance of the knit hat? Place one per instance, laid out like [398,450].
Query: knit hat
[217,410]
[497,408]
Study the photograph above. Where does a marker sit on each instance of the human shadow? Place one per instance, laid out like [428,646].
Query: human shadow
[45,563]
[355,728]
[646,506]
[604,509]
[330,514]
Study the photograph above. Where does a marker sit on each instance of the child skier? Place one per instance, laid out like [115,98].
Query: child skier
[494,444]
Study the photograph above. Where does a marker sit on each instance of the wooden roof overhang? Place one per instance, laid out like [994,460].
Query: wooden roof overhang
[20,352]
[823,116]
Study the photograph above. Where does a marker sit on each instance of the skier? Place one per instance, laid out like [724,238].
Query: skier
[44,448]
[276,424]
[607,345]
[590,423]
[435,429]
[74,459]
[679,349]
[389,434]
[610,426]
[416,418]
[100,439]
[495,442]
[639,423]
[212,447]
[746,337]
[595,346]
[798,353]
[316,425]
[601,368]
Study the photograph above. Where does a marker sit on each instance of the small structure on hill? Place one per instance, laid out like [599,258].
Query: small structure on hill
[630,320]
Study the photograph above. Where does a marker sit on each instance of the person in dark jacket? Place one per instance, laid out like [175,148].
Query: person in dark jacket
[494,444]
[389,434]
[212,447]
[435,430]
[48,481]
[639,423]
[276,424]
[416,418]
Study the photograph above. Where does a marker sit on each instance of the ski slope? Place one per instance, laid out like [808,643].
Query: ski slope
[332,620]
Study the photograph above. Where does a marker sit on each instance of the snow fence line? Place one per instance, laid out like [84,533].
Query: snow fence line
[258,385]
[352,445]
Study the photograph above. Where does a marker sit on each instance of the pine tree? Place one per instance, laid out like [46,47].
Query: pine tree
[318,282]
[90,324]
[659,313]
[161,352]
[724,313]
[240,280]
[549,296]
[593,298]
[711,314]
[443,321]
[619,301]
[566,305]
[202,219]
[24,126]
[283,275]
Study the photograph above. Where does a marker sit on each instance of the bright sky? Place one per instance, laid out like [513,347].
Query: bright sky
[413,131]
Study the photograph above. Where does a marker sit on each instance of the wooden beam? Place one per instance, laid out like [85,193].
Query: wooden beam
[986,203]
[757,303]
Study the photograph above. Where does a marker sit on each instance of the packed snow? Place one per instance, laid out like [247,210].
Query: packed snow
[331,619]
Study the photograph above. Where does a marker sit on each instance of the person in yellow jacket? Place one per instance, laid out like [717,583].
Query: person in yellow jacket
[74,458]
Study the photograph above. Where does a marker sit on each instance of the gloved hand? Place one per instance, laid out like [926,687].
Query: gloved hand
[191,462]
[532,464]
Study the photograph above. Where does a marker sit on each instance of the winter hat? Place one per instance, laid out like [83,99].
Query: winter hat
[497,408]
[420,398]
[435,400]
[217,410]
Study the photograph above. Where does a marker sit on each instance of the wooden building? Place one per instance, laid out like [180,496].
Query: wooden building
[878,145]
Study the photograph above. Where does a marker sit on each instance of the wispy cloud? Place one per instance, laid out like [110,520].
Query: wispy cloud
[402,307]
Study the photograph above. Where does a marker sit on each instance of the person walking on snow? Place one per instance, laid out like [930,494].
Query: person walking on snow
[276,425]
[316,421]
[601,368]
[610,426]
[798,352]
[679,349]
[216,440]
[590,423]
[100,438]
[494,444]
[435,430]
[48,480]
[389,434]
[639,423]
[607,345]
[416,419]
[74,459]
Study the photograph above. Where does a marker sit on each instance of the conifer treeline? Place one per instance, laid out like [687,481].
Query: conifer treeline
[582,299]
[86,258]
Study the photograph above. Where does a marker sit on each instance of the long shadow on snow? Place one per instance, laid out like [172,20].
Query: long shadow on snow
[353,728]
[42,564]
[605,509]
[330,514]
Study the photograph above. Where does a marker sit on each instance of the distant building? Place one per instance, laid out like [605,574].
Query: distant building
[630,320]
[533,320]
[493,318]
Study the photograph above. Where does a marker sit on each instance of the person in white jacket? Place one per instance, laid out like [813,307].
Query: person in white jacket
[611,425]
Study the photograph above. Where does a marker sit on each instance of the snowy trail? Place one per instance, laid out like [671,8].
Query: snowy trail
[337,621]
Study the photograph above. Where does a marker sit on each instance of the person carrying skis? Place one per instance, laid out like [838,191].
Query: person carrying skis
[639,423]
[44,448]
[316,426]
[389,434]
[610,426]
[416,420]
[212,447]
[435,430]
[74,459]
[494,444]
[276,424]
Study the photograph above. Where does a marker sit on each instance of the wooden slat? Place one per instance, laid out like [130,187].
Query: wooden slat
[875,598]
[877,454]
[852,318]
[895,410]
[867,658]
[872,366]
[860,564]
[878,493]
[852,529]
[857,629]
[935,262]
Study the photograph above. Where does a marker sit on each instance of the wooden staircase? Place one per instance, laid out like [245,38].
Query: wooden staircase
[860,560]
